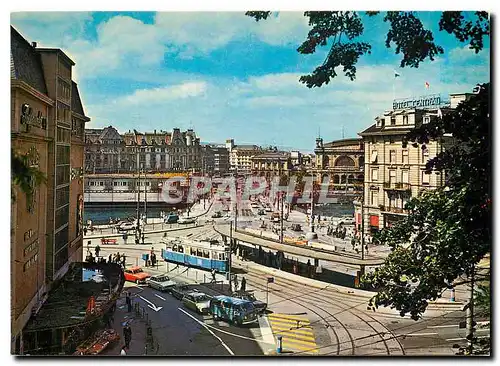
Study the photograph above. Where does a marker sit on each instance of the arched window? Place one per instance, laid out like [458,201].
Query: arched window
[344,161]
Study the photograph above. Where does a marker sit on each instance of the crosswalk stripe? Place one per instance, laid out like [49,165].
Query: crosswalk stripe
[287,330]
[286,316]
[299,337]
[286,321]
[303,346]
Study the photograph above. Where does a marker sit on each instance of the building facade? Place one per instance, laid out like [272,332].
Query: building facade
[215,160]
[342,161]
[47,127]
[272,163]
[108,151]
[240,156]
[393,173]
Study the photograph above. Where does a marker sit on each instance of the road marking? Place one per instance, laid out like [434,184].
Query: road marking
[444,326]
[207,328]
[420,334]
[296,332]
[460,339]
[160,297]
[150,304]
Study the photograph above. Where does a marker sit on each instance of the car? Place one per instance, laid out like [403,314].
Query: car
[261,212]
[260,306]
[171,218]
[126,226]
[275,217]
[136,274]
[186,220]
[160,282]
[217,215]
[296,227]
[197,301]
[179,290]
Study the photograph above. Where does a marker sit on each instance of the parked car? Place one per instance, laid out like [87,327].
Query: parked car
[197,301]
[172,218]
[179,290]
[136,274]
[126,226]
[186,220]
[217,215]
[296,227]
[160,282]
[260,306]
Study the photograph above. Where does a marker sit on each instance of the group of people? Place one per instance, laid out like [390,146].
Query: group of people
[150,258]
[339,232]
[112,258]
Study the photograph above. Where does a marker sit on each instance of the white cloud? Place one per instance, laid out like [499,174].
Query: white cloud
[165,94]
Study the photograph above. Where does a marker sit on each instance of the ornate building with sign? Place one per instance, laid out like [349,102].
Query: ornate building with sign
[240,156]
[343,162]
[47,127]
[394,174]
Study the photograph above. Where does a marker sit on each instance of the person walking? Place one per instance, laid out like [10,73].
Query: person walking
[97,250]
[118,258]
[127,334]
[124,258]
[128,300]
[153,259]
[235,283]
[243,284]
[110,258]
[213,275]
[309,272]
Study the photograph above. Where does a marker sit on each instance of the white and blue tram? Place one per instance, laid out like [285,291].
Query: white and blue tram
[201,254]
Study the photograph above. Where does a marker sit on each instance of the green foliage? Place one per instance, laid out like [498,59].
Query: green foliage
[340,30]
[448,230]
[26,177]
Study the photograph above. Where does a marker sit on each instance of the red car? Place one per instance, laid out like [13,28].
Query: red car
[136,274]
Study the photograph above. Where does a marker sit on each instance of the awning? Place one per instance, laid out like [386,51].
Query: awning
[374,220]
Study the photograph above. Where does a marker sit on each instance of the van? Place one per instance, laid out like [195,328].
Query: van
[233,310]
[172,218]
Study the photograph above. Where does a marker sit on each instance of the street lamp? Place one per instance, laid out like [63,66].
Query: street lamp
[311,235]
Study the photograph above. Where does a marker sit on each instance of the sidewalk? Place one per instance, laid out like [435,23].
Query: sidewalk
[138,326]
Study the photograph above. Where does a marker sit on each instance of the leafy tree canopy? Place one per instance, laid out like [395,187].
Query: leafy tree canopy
[341,31]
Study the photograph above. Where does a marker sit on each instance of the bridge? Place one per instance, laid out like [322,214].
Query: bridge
[299,250]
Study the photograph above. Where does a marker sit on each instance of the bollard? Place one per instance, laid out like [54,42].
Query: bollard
[452,298]
[280,345]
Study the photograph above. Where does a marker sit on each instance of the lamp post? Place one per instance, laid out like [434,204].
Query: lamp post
[311,235]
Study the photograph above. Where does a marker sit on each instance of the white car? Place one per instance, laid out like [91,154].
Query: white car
[186,220]
[160,282]
[127,226]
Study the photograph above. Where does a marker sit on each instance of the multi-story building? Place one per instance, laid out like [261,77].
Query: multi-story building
[47,126]
[240,156]
[105,151]
[215,160]
[393,173]
[109,152]
[342,161]
[272,163]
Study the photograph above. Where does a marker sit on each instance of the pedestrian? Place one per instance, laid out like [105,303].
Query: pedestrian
[309,267]
[142,238]
[118,258]
[128,300]
[97,250]
[153,259]
[123,351]
[124,258]
[243,284]
[213,275]
[146,259]
[235,283]
[127,334]
[110,259]
[85,231]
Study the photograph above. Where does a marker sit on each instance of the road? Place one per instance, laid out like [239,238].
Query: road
[311,320]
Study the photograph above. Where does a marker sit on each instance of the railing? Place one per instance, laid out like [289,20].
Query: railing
[397,186]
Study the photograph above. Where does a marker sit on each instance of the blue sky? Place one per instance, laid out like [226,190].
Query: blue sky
[229,77]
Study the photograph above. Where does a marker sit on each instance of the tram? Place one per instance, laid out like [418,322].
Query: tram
[204,254]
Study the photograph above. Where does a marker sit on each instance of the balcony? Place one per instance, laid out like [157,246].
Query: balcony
[390,209]
[389,186]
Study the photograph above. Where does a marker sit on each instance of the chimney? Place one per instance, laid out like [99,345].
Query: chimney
[33,44]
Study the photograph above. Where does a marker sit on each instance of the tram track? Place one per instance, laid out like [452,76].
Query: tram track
[312,300]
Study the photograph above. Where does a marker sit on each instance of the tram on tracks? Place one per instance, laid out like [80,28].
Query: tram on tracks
[204,254]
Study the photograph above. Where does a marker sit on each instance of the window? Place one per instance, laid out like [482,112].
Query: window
[374,175]
[115,184]
[62,155]
[61,239]
[62,196]
[393,120]
[405,156]
[60,259]
[63,135]
[426,178]
[374,156]
[62,174]
[425,155]
[374,198]
[62,216]
[63,114]
[392,156]
[404,176]
[63,90]
[392,176]
[405,120]
[101,183]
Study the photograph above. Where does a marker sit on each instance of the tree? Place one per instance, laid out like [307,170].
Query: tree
[341,31]
[25,176]
[448,230]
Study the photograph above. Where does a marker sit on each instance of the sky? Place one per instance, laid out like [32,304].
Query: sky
[227,76]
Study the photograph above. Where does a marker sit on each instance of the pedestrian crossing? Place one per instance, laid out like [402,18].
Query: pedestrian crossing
[296,331]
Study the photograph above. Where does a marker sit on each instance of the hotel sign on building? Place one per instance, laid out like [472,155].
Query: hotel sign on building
[423,102]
